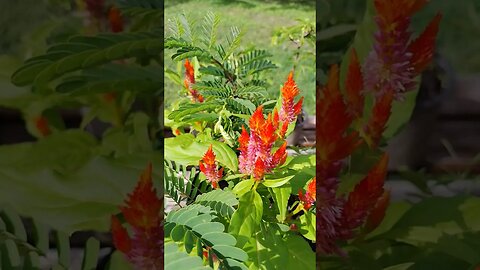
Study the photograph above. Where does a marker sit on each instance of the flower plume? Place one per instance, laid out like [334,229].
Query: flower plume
[256,157]
[189,81]
[209,167]
[144,248]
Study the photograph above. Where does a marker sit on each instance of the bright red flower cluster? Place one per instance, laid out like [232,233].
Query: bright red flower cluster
[190,80]
[143,213]
[289,110]
[309,199]
[256,157]
[209,167]
[115,19]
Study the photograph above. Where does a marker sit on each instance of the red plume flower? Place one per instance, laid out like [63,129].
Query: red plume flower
[340,217]
[289,110]
[309,198]
[334,142]
[190,80]
[256,157]
[115,19]
[41,123]
[209,167]
[395,61]
[144,248]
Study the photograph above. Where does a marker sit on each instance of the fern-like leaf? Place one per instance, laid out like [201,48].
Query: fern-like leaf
[233,41]
[209,29]
[187,109]
[82,52]
[194,226]
[177,259]
[183,185]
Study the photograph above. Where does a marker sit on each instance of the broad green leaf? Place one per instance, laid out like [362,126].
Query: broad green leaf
[186,150]
[300,253]
[278,182]
[243,187]
[267,250]
[308,225]
[281,195]
[247,218]
[394,213]
[300,162]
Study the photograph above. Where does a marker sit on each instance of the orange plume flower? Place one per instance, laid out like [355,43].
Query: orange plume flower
[41,123]
[115,19]
[256,157]
[289,110]
[209,167]
[190,80]
[309,198]
[142,211]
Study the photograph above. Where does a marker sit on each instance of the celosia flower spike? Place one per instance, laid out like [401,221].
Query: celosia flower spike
[256,157]
[395,61]
[190,80]
[333,141]
[290,110]
[309,198]
[115,19]
[365,195]
[208,166]
[423,47]
[354,86]
[144,249]
[42,125]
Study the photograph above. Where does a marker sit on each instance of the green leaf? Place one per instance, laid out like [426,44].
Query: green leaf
[175,259]
[308,225]
[208,228]
[186,150]
[111,47]
[243,187]
[224,251]
[266,249]
[281,195]
[301,255]
[219,238]
[277,182]
[246,219]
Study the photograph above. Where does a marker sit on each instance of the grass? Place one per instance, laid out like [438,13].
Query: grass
[259,20]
